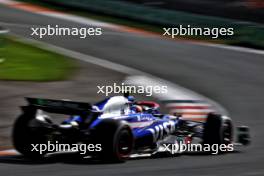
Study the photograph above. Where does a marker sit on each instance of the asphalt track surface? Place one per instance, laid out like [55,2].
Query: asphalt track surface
[232,78]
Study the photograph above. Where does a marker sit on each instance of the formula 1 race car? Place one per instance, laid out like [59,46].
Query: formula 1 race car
[121,126]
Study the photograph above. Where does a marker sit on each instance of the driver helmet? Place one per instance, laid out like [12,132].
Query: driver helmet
[137,108]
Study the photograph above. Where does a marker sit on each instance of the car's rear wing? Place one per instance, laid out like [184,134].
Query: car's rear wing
[60,106]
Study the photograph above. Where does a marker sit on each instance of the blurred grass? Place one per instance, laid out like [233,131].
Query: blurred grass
[23,62]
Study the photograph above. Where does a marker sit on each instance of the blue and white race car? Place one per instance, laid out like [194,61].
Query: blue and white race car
[119,125]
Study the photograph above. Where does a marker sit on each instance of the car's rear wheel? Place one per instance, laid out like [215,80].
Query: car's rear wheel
[25,137]
[116,139]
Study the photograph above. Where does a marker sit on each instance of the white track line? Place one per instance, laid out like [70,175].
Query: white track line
[81,20]
[4,31]
[233,48]
[83,57]
[8,152]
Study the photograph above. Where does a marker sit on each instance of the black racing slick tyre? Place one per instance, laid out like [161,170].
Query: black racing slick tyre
[25,137]
[217,130]
[116,139]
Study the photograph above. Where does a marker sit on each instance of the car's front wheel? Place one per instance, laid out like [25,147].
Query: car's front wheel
[218,130]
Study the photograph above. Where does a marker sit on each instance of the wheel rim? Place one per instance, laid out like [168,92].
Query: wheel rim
[228,132]
[125,143]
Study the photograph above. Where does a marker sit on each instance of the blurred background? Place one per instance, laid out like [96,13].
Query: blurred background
[246,16]
[57,67]
[251,10]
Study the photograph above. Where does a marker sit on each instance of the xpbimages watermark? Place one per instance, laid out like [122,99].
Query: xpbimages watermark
[50,147]
[181,147]
[65,31]
[188,30]
[123,88]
